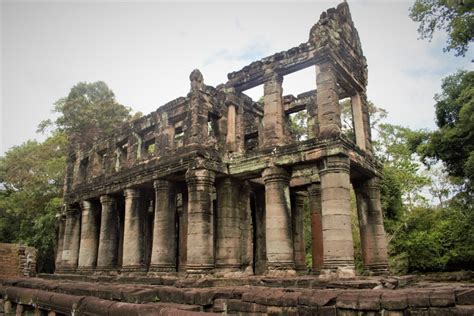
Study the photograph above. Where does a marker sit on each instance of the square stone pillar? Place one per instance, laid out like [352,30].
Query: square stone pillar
[133,257]
[228,247]
[200,242]
[314,196]
[329,109]
[163,254]
[89,236]
[198,111]
[183,229]
[366,121]
[357,115]
[312,121]
[72,239]
[60,244]
[336,216]
[231,130]
[297,223]
[107,256]
[279,237]
[273,112]
[372,232]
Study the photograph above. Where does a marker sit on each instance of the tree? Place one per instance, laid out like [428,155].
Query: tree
[453,142]
[89,111]
[31,177]
[32,174]
[401,166]
[455,17]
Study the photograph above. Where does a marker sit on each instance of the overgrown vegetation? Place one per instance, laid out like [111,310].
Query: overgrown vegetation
[32,174]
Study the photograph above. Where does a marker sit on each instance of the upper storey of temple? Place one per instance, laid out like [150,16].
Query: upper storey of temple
[222,129]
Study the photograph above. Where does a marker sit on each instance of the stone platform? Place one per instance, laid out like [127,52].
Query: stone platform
[82,295]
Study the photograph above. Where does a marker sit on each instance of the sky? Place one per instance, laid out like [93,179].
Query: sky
[145,52]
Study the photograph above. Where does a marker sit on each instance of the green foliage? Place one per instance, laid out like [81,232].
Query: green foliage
[298,123]
[31,178]
[455,17]
[401,166]
[437,239]
[90,110]
[31,175]
[347,119]
[391,197]
[453,142]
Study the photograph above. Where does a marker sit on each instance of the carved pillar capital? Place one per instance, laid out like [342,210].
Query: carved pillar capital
[107,199]
[73,212]
[86,205]
[314,189]
[334,164]
[131,193]
[161,185]
[200,176]
[275,174]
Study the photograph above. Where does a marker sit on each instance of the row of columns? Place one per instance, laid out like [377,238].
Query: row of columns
[91,243]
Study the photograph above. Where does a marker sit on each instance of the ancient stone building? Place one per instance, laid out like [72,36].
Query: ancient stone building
[215,182]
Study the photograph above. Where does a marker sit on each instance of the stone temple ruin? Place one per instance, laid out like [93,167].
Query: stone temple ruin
[215,183]
[198,207]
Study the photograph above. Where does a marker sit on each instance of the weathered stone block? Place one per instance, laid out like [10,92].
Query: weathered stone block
[348,300]
[442,298]
[465,297]
[395,300]
[420,298]
[464,310]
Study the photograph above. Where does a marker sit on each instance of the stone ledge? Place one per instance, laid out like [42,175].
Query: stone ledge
[66,296]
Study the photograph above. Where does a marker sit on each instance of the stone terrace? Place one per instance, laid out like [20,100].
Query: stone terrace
[243,296]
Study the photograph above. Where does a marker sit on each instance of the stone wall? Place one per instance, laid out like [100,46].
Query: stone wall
[313,297]
[17,260]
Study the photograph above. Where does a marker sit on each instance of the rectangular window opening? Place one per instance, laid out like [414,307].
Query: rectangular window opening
[347,119]
[178,136]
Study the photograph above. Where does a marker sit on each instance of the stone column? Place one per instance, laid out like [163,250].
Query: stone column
[89,236]
[200,242]
[314,195]
[231,136]
[372,233]
[313,122]
[356,105]
[366,121]
[183,230]
[109,234]
[336,215]
[273,113]
[72,239]
[297,223]
[163,254]
[329,110]
[228,248]
[59,251]
[133,258]
[246,228]
[279,241]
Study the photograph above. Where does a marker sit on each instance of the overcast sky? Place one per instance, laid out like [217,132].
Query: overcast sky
[145,52]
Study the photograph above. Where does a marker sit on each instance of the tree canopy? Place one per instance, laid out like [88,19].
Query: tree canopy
[90,110]
[455,17]
[32,174]
[453,142]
